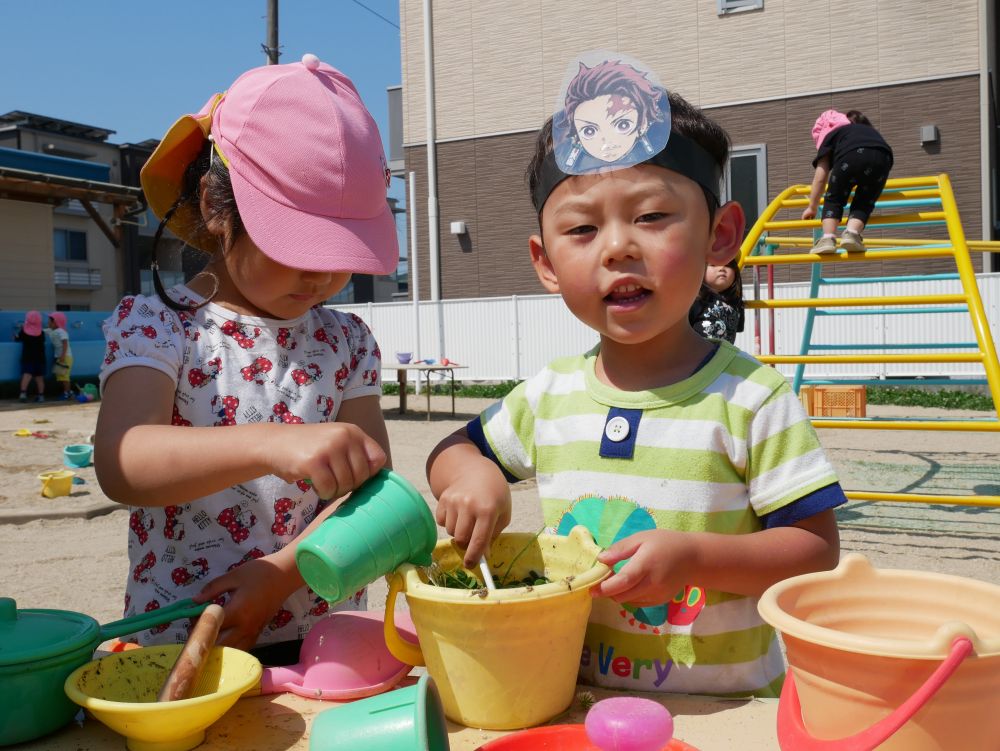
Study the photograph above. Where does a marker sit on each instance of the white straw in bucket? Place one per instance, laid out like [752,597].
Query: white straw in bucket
[484,567]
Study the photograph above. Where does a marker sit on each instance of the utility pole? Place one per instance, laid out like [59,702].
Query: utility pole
[271,48]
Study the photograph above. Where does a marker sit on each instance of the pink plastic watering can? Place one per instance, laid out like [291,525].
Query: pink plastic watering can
[343,657]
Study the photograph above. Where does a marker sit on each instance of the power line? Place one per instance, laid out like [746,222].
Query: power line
[375,13]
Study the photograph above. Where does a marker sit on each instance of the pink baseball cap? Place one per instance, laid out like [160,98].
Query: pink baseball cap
[59,317]
[306,163]
[33,323]
[827,121]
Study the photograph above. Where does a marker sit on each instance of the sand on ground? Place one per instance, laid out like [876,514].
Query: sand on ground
[69,553]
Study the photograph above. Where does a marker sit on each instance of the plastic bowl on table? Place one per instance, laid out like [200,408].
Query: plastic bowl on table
[120,690]
[404,357]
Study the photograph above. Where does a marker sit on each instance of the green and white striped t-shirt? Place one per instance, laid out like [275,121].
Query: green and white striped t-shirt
[712,453]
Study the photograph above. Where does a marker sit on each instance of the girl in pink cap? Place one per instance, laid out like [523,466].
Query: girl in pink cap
[851,155]
[32,355]
[236,406]
[61,352]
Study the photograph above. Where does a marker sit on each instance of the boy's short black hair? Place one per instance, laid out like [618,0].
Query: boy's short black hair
[685,119]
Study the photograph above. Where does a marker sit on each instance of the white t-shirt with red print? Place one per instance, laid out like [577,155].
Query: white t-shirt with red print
[232,369]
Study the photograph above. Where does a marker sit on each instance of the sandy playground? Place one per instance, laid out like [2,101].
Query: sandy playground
[69,552]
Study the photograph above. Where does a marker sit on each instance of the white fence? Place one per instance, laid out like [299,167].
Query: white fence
[511,338]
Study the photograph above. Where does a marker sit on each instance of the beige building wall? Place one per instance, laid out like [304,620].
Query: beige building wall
[26,256]
[101,255]
[490,77]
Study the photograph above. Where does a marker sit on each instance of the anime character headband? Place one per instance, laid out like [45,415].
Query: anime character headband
[612,113]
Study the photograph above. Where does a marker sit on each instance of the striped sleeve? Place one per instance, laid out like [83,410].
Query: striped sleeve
[784,458]
[506,434]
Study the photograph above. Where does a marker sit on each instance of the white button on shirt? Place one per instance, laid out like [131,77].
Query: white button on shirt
[617,429]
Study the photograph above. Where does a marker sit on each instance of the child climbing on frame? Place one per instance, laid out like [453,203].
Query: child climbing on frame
[850,154]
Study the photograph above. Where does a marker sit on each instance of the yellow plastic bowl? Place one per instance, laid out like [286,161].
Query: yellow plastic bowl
[120,690]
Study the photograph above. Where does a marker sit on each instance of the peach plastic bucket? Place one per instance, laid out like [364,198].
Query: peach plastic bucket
[892,659]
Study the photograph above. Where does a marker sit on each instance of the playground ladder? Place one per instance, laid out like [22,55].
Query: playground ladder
[923,201]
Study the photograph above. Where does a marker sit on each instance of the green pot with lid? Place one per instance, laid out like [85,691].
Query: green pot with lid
[40,648]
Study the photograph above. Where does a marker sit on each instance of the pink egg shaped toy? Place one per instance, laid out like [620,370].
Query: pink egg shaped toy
[628,723]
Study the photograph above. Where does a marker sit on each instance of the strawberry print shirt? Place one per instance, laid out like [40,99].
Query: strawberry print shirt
[232,369]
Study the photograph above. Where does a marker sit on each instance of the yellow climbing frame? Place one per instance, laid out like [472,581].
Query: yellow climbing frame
[768,235]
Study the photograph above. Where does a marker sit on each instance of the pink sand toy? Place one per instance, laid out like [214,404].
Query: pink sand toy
[343,657]
[626,723]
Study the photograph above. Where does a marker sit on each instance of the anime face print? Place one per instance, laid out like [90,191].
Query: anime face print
[607,127]
[611,113]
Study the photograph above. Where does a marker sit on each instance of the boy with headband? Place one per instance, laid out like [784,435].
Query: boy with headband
[692,463]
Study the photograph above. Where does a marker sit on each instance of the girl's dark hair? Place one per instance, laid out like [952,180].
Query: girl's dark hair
[856,116]
[218,194]
[685,119]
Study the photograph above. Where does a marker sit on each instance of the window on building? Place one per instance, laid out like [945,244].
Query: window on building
[745,180]
[71,307]
[738,6]
[69,245]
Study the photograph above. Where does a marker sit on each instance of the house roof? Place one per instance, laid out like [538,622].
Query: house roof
[17,118]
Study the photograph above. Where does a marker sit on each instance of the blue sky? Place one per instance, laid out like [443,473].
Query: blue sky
[134,67]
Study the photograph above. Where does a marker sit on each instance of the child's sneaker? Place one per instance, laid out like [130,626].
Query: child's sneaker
[39,398]
[825,245]
[852,242]
[63,396]
[23,397]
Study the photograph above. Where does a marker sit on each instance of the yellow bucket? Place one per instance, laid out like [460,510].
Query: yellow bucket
[892,659]
[56,483]
[507,658]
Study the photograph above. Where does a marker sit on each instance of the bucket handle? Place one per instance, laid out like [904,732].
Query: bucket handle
[402,649]
[792,733]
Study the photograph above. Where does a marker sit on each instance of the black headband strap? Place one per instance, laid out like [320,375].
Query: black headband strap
[681,154]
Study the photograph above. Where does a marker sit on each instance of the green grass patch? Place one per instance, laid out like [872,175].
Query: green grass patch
[471,390]
[941,398]
[901,396]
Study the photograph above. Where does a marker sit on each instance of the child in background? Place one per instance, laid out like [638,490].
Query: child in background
[691,462]
[236,405]
[32,355]
[851,155]
[717,312]
[61,352]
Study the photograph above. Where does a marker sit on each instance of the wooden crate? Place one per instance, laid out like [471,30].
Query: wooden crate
[839,401]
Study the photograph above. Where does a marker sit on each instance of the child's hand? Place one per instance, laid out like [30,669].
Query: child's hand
[474,513]
[256,590]
[809,213]
[336,456]
[662,562]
